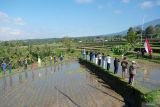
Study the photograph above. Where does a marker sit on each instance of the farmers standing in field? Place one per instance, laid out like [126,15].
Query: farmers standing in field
[92,56]
[96,58]
[54,58]
[25,63]
[83,53]
[108,62]
[39,62]
[19,64]
[4,65]
[87,56]
[103,61]
[32,65]
[10,67]
[132,72]
[51,60]
[116,65]
[124,65]
[61,57]
[99,59]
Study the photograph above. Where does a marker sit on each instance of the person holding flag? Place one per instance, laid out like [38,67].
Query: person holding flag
[148,47]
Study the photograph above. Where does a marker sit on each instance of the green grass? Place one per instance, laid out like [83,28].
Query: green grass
[147,95]
[132,57]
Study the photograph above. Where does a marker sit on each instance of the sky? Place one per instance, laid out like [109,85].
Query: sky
[31,19]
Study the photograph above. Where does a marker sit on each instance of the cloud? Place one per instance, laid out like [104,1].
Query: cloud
[19,21]
[5,18]
[10,32]
[84,1]
[147,4]
[126,1]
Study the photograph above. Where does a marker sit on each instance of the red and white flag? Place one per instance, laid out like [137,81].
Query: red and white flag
[147,47]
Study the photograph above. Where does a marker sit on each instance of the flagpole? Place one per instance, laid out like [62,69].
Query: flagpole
[142,32]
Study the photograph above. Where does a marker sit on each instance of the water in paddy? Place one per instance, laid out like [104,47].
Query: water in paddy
[148,74]
[63,85]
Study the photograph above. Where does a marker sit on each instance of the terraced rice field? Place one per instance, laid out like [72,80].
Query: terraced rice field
[64,85]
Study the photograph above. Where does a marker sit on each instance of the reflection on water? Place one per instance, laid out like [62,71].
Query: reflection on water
[20,77]
[26,75]
[10,81]
[4,85]
[147,75]
[32,75]
[46,70]
[56,88]
[55,68]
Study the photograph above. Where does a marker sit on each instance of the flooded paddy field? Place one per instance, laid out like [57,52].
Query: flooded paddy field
[63,85]
[148,74]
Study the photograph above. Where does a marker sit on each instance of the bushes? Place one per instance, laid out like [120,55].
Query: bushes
[121,49]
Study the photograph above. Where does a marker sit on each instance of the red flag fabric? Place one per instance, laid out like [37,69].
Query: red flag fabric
[147,47]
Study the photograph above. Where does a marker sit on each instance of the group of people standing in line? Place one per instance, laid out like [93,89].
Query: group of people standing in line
[105,61]
[24,63]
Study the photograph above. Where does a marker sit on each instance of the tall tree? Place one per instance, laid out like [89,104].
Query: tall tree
[66,42]
[150,31]
[132,37]
[157,30]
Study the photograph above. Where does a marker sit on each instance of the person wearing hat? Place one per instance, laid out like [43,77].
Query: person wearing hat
[132,72]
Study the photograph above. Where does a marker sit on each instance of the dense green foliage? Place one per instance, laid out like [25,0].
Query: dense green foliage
[121,49]
[153,31]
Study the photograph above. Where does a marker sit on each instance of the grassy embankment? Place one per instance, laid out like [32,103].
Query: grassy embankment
[135,95]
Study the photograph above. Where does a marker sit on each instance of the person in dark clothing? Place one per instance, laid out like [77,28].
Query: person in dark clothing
[138,54]
[143,52]
[87,57]
[25,63]
[4,66]
[10,67]
[19,64]
[55,60]
[90,55]
[116,65]
[124,65]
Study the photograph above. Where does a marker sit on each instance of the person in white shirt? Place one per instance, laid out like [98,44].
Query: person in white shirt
[103,61]
[39,62]
[83,53]
[99,59]
[108,59]
[96,59]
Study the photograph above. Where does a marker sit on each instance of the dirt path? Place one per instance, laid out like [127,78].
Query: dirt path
[66,85]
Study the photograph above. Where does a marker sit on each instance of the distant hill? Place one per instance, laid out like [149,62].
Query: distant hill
[89,38]
[151,23]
